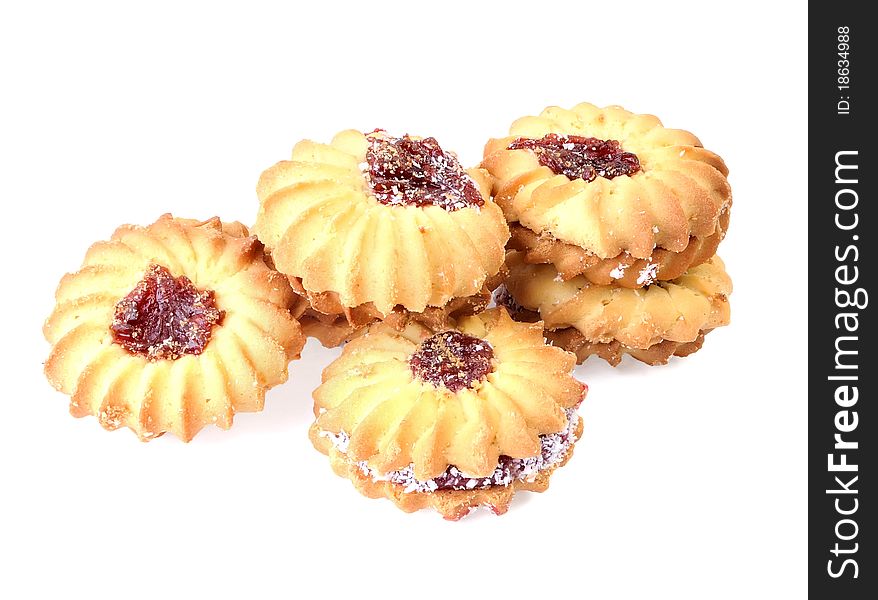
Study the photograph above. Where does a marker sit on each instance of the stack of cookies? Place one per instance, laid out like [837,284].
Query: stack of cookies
[615,221]
[602,223]
[435,402]
[372,227]
[386,242]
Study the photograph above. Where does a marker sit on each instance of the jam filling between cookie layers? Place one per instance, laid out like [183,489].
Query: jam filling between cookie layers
[452,359]
[553,448]
[579,157]
[165,317]
[407,171]
[503,297]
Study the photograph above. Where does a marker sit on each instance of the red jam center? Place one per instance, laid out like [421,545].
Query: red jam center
[165,317]
[452,359]
[578,157]
[407,171]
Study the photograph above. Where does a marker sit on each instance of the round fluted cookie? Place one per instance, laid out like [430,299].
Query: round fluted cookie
[171,327]
[609,194]
[653,323]
[453,419]
[372,224]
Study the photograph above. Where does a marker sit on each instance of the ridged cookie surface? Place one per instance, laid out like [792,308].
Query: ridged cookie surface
[675,202]
[170,387]
[382,414]
[678,311]
[351,241]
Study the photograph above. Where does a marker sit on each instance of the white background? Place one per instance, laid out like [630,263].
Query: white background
[690,479]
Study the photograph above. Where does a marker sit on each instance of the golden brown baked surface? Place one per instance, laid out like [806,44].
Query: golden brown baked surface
[334,329]
[677,198]
[573,341]
[243,346]
[386,414]
[623,270]
[584,316]
[326,319]
[451,504]
[352,242]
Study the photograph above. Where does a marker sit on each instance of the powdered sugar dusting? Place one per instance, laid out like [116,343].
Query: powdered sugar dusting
[452,359]
[619,271]
[340,440]
[579,157]
[553,448]
[647,274]
[409,171]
